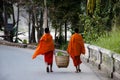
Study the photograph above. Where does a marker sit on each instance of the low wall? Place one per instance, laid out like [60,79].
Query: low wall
[105,60]
[20,45]
[3,42]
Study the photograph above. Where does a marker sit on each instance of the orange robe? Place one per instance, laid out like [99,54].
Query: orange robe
[76,48]
[45,47]
[48,57]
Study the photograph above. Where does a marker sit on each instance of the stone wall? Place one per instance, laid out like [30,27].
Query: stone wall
[105,60]
[20,45]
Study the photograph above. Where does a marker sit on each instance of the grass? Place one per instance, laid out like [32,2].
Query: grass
[111,41]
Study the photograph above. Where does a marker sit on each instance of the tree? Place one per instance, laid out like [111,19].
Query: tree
[8,11]
[1,16]
[91,7]
[18,12]
[65,12]
[34,9]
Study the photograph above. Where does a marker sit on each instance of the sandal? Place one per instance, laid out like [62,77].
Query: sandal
[51,70]
[79,70]
[47,69]
[76,71]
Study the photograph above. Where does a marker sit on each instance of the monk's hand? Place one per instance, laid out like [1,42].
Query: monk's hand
[83,53]
[33,57]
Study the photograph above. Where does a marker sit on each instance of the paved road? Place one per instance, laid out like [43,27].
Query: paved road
[16,64]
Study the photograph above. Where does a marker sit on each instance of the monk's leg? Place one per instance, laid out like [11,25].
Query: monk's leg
[76,69]
[47,67]
[46,62]
[79,70]
[77,62]
[51,68]
[49,60]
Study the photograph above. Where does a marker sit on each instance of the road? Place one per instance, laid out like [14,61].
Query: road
[16,64]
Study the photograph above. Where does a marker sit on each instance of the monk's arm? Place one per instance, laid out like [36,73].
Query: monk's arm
[82,46]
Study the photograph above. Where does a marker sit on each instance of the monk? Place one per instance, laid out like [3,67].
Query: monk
[76,48]
[45,47]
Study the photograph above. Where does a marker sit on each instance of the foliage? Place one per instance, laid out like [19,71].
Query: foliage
[67,10]
[90,6]
[109,41]
[116,8]
[93,19]
[59,53]
[61,39]
[93,27]
[24,41]
[97,23]
[64,46]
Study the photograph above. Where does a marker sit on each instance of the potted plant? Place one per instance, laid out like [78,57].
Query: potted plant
[62,59]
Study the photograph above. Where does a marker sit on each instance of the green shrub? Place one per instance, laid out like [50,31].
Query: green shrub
[109,41]
[64,46]
[24,41]
[60,54]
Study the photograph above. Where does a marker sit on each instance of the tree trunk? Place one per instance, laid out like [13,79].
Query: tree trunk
[1,15]
[65,32]
[12,33]
[56,37]
[5,20]
[29,27]
[45,23]
[33,28]
[16,40]
[13,15]
[40,29]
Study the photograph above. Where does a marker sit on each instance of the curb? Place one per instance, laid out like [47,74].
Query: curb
[20,45]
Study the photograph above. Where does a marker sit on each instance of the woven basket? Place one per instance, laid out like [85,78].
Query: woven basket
[62,61]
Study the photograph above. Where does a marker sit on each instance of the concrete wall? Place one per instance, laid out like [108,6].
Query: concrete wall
[105,60]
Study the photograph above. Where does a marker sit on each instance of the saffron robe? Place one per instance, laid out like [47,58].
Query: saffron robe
[76,48]
[48,57]
[76,60]
[46,44]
